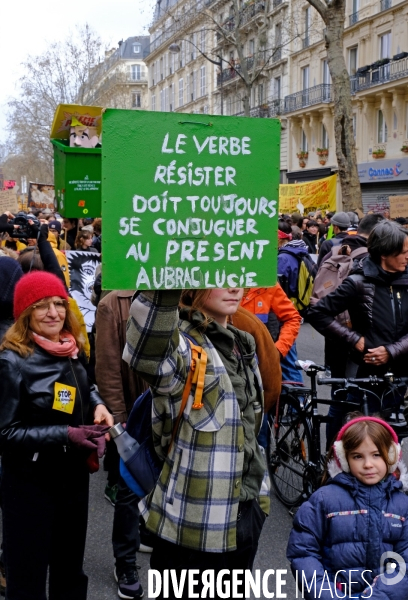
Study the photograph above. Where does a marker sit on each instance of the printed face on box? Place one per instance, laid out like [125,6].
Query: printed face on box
[83,137]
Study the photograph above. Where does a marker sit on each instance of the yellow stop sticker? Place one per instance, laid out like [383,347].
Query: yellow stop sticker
[64,398]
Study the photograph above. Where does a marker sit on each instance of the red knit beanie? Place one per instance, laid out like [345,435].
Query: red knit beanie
[36,286]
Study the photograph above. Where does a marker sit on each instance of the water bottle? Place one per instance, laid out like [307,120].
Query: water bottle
[125,444]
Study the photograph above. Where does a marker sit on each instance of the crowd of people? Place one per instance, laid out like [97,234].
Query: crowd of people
[63,388]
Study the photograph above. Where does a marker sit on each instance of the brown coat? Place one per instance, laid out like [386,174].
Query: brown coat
[268,355]
[118,385]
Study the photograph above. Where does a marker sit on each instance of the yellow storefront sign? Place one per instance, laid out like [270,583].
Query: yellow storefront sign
[309,196]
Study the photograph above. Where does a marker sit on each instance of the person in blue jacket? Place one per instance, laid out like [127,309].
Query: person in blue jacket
[350,539]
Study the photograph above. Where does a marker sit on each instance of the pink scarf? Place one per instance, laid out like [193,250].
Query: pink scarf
[65,347]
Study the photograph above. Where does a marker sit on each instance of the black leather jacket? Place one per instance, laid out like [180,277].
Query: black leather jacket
[28,421]
[377,302]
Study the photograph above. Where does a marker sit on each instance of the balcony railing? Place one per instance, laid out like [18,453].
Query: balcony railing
[183,19]
[250,11]
[377,74]
[233,72]
[272,108]
[308,97]
[385,4]
[354,18]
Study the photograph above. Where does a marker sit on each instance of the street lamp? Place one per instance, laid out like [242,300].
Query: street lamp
[174,48]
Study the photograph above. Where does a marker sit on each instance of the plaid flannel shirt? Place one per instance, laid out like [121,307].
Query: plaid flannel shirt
[195,501]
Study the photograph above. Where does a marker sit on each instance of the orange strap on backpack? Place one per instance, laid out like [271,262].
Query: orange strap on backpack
[195,375]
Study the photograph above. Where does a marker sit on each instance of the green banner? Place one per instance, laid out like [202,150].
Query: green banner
[188,201]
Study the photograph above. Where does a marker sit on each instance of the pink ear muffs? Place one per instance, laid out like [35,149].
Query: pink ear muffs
[394,452]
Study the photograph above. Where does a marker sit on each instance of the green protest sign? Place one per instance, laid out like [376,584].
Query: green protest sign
[188,201]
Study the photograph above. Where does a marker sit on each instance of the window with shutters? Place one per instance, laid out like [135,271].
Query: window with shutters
[171,100]
[202,81]
[166,99]
[382,128]
[181,92]
[202,40]
[193,85]
[136,100]
[136,72]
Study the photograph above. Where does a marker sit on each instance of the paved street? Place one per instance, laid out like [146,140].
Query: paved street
[272,549]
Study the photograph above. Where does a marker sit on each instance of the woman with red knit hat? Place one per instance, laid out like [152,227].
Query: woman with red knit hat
[52,430]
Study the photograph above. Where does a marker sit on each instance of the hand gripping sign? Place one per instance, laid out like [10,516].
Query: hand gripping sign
[189,201]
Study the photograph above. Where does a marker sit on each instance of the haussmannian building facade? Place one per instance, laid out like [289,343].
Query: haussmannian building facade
[121,79]
[294,84]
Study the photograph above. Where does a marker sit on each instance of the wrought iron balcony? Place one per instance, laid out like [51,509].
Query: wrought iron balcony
[250,11]
[182,20]
[354,18]
[233,71]
[377,74]
[385,4]
[317,94]
[270,109]
[305,42]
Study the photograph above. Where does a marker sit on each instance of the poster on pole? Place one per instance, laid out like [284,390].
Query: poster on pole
[189,201]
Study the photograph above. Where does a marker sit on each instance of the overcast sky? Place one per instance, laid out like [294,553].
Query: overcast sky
[30,24]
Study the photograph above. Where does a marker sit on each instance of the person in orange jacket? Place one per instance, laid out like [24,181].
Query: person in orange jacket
[272,306]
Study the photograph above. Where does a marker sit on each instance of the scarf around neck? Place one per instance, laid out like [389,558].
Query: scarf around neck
[65,347]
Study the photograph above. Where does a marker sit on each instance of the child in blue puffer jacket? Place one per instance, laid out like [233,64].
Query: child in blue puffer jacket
[350,539]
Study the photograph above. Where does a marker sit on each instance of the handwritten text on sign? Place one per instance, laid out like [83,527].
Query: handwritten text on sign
[200,211]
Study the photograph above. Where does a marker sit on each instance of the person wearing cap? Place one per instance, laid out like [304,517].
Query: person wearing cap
[340,222]
[376,298]
[348,530]
[52,430]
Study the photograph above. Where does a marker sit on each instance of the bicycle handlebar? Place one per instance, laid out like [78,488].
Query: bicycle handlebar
[368,380]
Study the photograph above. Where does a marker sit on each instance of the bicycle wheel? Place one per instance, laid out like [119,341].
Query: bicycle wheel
[288,450]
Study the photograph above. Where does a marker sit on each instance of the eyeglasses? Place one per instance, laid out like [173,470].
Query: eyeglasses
[44,307]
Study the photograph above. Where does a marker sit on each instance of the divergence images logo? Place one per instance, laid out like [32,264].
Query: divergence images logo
[388,565]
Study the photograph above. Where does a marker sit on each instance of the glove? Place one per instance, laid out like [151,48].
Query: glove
[91,437]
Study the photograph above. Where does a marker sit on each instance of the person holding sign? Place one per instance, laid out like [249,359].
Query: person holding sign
[52,430]
[210,501]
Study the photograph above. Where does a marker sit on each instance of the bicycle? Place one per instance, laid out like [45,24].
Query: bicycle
[294,456]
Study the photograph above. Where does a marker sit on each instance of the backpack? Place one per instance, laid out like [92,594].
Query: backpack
[306,271]
[331,274]
[143,469]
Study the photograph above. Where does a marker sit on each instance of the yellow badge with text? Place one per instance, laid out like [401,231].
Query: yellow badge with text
[64,398]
